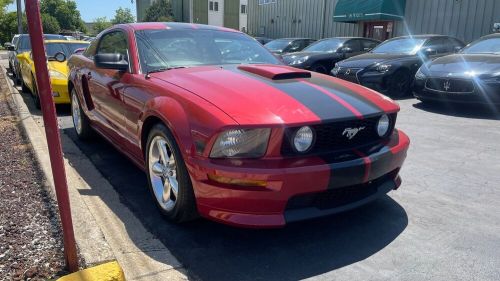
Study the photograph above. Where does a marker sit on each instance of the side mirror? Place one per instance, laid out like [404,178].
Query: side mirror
[111,61]
[429,52]
[9,46]
[346,50]
[457,49]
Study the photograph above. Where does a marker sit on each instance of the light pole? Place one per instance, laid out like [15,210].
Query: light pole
[19,17]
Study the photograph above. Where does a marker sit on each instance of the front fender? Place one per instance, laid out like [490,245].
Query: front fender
[173,115]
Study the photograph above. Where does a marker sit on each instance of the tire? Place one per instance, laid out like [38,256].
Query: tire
[398,84]
[81,122]
[11,70]
[177,206]
[36,98]
[17,78]
[319,68]
[24,88]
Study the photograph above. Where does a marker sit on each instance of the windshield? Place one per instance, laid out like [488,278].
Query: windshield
[408,46]
[328,45]
[483,46]
[278,45]
[66,48]
[160,49]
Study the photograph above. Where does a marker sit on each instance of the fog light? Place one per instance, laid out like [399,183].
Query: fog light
[241,182]
[383,125]
[303,139]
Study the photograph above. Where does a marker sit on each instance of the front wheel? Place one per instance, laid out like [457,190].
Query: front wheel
[36,97]
[80,121]
[168,177]
[319,68]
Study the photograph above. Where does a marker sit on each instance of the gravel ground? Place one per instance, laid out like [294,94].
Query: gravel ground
[31,245]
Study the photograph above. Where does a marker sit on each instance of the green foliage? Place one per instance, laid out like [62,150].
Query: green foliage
[8,26]
[65,12]
[100,24]
[50,24]
[160,10]
[123,16]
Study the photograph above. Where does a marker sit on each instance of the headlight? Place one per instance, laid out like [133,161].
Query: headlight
[299,60]
[241,143]
[420,75]
[383,125]
[303,139]
[335,70]
[383,67]
[56,74]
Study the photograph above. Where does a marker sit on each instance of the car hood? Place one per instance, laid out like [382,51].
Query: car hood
[61,67]
[367,59]
[276,94]
[465,64]
[316,55]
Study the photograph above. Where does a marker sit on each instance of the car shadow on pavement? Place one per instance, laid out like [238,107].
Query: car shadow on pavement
[211,251]
[476,111]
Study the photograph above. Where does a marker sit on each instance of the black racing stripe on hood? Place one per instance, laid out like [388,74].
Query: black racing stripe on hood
[361,103]
[319,103]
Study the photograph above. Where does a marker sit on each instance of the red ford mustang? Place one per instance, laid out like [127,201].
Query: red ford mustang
[224,130]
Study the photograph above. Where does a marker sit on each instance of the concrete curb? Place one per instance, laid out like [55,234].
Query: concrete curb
[105,229]
[106,272]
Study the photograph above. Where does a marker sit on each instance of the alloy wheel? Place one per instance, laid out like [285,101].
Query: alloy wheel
[163,173]
[76,114]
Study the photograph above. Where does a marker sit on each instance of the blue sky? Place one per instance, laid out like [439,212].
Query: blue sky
[91,9]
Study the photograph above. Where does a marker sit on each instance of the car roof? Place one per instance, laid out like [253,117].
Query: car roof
[423,36]
[493,35]
[171,25]
[66,41]
[298,38]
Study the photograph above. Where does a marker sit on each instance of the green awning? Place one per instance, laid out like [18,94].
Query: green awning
[364,10]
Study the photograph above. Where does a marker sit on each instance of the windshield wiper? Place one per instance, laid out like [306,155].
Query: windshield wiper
[163,69]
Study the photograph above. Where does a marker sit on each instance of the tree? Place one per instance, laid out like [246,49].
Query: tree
[160,10]
[50,24]
[123,16]
[65,12]
[100,24]
[8,26]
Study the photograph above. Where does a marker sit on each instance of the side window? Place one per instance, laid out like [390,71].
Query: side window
[354,45]
[90,51]
[295,45]
[440,45]
[113,43]
[367,45]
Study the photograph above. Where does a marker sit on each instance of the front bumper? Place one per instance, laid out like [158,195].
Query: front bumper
[290,180]
[371,79]
[60,92]
[482,94]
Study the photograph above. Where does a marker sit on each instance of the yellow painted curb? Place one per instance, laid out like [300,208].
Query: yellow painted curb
[110,271]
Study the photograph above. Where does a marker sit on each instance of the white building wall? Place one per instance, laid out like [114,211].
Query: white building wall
[216,17]
[243,17]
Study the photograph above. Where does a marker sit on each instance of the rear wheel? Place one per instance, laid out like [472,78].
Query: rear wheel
[168,177]
[80,120]
[319,68]
[398,85]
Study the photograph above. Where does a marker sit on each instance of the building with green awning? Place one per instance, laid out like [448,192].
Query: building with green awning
[369,10]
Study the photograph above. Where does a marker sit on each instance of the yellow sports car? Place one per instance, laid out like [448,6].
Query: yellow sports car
[57,53]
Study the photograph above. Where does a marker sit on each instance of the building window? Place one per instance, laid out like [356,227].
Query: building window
[211,6]
[216,6]
[263,2]
[243,9]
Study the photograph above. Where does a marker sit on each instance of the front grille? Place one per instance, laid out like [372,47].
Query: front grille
[348,74]
[337,197]
[450,85]
[332,137]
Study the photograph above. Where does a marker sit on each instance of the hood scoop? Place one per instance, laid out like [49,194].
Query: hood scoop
[275,72]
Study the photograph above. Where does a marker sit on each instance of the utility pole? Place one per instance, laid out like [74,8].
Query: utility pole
[19,17]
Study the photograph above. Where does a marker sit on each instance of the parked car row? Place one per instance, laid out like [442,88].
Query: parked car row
[433,67]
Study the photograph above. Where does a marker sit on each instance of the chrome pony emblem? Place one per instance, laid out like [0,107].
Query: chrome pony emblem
[352,132]
[446,85]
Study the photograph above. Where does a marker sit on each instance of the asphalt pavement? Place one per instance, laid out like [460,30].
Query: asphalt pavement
[442,224]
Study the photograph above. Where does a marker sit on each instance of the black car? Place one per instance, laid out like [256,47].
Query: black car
[471,76]
[288,45]
[263,40]
[322,55]
[23,44]
[390,67]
